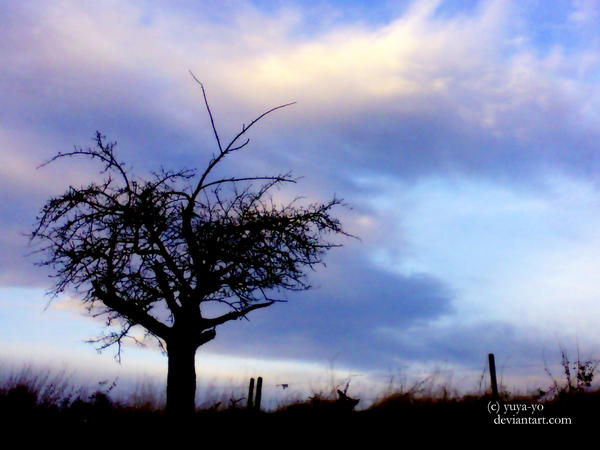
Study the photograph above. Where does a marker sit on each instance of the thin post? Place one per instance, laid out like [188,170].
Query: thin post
[258,393]
[493,376]
[250,393]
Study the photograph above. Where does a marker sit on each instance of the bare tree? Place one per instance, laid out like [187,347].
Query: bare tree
[179,252]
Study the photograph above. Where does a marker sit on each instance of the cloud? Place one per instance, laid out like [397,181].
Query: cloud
[421,94]
[370,319]
[369,95]
[340,316]
[467,343]
[493,96]
[585,13]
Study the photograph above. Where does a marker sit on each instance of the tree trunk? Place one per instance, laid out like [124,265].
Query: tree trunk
[181,379]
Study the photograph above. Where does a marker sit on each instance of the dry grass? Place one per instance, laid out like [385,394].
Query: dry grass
[52,398]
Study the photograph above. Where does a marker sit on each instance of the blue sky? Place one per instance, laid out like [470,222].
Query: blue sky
[463,134]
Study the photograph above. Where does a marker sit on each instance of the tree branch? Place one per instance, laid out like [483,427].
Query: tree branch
[209,323]
[212,122]
[130,311]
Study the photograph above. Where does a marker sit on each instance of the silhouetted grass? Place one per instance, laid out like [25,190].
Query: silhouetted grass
[43,398]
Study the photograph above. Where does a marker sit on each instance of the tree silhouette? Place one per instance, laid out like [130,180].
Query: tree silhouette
[179,252]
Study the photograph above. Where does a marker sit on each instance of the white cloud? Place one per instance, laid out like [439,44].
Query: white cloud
[416,61]
[584,13]
[527,258]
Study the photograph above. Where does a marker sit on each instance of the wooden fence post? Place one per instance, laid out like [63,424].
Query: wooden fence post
[250,393]
[258,393]
[493,376]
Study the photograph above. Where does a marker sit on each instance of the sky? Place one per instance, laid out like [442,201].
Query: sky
[462,135]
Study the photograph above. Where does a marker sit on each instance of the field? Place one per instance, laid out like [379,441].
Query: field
[50,400]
